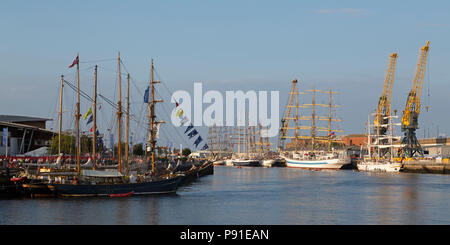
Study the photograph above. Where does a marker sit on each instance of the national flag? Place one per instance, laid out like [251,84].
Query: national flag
[75,62]
[89,112]
[197,141]
[192,133]
[331,134]
[91,118]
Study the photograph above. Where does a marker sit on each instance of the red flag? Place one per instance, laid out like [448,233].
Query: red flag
[91,129]
[75,62]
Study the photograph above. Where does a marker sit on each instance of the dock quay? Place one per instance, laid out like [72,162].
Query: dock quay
[429,167]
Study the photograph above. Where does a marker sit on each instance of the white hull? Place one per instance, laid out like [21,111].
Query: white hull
[268,163]
[220,162]
[229,162]
[379,167]
[238,162]
[333,163]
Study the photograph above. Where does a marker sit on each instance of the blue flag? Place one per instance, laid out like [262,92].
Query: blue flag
[197,141]
[146,94]
[205,147]
[91,118]
[5,136]
[111,141]
[99,142]
[192,133]
[189,128]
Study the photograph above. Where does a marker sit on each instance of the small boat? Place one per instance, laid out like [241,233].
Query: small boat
[122,194]
[379,166]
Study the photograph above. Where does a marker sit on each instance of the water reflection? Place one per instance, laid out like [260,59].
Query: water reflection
[258,196]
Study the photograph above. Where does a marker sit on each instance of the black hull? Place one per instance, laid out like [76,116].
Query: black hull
[36,189]
[147,188]
[206,170]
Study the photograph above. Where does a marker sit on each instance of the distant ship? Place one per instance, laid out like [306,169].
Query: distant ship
[317,152]
[316,160]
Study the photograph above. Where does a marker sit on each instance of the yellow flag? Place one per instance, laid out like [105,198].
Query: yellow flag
[179,113]
[89,112]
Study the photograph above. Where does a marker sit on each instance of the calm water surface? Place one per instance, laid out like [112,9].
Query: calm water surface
[258,196]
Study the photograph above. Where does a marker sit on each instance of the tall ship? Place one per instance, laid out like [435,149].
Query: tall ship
[380,140]
[120,181]
[312,151]
[246,154]
[382,147]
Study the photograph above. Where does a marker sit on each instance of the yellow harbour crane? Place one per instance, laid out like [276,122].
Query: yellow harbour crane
[384,103]
[412,109]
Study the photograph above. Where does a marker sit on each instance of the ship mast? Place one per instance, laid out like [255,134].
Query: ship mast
[128,122]
[313,121]
[60,115]
[152,117]
[119,118]
[77,117]
[94,127]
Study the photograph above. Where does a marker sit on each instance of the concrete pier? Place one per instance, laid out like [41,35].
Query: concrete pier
[431,167]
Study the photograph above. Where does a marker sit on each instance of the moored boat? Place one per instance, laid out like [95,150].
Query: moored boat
[83,188]
[332,163]
[246,162]
[379,166]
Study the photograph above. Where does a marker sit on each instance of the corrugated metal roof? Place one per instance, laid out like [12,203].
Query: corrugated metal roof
[14,118]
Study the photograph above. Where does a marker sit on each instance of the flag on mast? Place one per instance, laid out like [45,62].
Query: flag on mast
[75,62]
[89,112]
[197,141]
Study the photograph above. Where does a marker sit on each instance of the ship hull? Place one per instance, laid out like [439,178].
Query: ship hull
[147,188]
[316,164]
[246,163]
[379,167]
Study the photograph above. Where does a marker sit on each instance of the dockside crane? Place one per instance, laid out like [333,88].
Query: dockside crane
[285,120]
[412,109]
[384,103]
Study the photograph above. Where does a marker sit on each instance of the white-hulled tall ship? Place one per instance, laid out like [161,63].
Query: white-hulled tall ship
[380,140]
[381,149]
[314,151]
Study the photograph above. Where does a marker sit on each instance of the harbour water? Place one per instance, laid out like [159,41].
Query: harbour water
[266,196]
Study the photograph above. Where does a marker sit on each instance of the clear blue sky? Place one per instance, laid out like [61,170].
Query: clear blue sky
[248,45]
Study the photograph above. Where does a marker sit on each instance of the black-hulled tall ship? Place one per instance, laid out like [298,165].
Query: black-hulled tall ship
[117,182]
